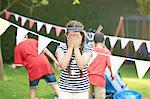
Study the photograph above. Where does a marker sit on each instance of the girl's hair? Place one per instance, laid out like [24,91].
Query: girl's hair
[76,26]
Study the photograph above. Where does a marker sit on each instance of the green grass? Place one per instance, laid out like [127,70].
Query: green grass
[15,85]
[129,76]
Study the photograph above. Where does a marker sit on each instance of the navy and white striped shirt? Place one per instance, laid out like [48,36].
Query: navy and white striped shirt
[74,83]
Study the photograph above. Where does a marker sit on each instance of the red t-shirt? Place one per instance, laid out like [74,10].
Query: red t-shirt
[97,68]
[37,65]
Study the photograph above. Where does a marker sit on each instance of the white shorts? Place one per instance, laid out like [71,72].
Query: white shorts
[69,95]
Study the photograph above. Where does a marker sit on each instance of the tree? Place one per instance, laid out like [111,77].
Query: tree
[76,2]
[34,4]
[144,9]
[11,3]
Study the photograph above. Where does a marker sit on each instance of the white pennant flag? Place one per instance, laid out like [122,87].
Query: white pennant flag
[148,46]
[16,17]
[23,20]
[124,42]
[142,67]
[39,25]
[113,41]
[137,44]
[65,30]
[116,63]
[21,33]
[3,25]
[42,43]
[48,28]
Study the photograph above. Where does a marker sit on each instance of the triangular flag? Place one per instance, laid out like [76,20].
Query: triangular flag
[3,25]
[31,23]
[142,67]
[137,44]
[39,25]
[65,30]
[16,17]
[48,28]
[148,46]
[58,30]
[7,15]
[42,43]
[124,42]
[113,41]
[116,63]
[21,33]
[23,20]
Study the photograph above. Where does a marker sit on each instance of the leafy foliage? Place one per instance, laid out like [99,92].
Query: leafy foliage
[144,7]
[76,2]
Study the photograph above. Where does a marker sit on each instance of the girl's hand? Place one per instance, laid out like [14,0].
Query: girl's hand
[76,41]
[70,41]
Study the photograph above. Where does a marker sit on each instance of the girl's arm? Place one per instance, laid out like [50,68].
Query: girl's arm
[64,59]
[82,60]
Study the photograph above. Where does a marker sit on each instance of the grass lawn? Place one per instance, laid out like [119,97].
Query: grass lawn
[129,76]
[15,85]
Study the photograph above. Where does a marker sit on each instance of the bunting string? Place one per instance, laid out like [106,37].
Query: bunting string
[34,33]
[14,14]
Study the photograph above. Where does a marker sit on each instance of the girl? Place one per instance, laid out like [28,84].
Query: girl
[73,58]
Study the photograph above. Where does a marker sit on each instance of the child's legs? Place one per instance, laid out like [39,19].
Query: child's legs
[100,92]
[81,95]
[91,91]
[55,87]
[33,93]
[33,85]
[65,95]
[51,80]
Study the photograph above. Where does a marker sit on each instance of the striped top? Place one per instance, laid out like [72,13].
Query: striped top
[73,82]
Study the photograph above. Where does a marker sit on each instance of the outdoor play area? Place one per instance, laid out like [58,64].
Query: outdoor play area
[126,28]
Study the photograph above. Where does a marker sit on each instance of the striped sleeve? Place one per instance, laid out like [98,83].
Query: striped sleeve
[61,48]
[87,48]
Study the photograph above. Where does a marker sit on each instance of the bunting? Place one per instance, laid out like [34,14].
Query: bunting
[42,43]
[58,30]
[124,43]
[113,41]
[148,46]
[3,25]
[142,67]
[137,44]
[21,33]
[48,28]
[7,15]
[31,23]
[23,21]
[16,17]
[39,26]
[116,61]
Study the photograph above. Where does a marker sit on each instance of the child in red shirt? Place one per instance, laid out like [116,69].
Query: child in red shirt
[37,65]
[97,68]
